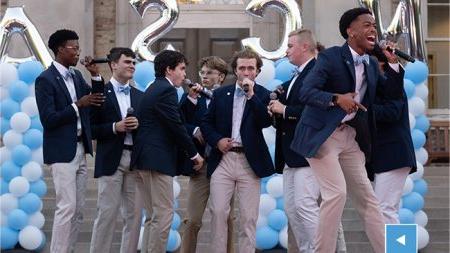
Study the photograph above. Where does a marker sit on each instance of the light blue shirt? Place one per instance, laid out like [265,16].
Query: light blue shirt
[238,111]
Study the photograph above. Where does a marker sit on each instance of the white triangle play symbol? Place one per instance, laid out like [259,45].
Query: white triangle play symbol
[402,240]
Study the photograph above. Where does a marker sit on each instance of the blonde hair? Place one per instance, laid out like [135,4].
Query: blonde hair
[305,35]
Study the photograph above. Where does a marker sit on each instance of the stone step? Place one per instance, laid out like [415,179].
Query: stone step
[437,181]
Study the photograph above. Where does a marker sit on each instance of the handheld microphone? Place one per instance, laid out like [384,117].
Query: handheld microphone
[403,55]
[130,112]
[94,61]
[273,96]
[205,92]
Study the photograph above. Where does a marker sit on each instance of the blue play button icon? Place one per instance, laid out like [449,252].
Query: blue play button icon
[401,238]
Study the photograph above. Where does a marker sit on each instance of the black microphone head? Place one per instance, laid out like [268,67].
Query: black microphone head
[188,82]
[273,96]
[130,111]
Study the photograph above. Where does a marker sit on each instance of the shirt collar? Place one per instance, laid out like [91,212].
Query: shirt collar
[116,84]
[169,81]
[302,67]
[61,68]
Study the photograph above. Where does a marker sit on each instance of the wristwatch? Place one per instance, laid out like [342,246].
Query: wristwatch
[333,101]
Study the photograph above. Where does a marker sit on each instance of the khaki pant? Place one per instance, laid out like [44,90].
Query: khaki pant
[198,194]
[70,186]
[234,174]
[157,192]
[338,166]
[116,192]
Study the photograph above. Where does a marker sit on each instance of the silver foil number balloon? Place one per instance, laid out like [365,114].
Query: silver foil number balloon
[293,21]
[406,21]
[168,17]
[16,21]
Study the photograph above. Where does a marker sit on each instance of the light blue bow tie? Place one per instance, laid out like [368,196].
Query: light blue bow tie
[125,89]
[361,59]
[239,92]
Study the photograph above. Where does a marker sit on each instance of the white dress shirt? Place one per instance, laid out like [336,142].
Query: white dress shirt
[68,80]
[124,101]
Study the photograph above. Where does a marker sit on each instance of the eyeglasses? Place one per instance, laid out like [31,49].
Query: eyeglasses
[208,73]
[77,49]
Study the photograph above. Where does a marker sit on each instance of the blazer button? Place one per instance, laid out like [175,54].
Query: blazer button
[284,133]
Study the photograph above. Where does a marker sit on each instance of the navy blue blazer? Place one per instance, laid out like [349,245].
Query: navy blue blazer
[393,147]
[334,72]
[192,116]
[286,126]
[109,145]
[59,118]
[161,134]
[217,124]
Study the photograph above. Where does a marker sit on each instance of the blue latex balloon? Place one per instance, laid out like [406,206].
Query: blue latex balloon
[39,188]
[421,187]
[4,125]
[175,204]
[273,84]
[36,123]
[30,203]
[144,73]
[418,138]
[277,219]
[9,170]
[266,238]
[422,123]
[280,203]
[18,90]
[176,221]
[172,241]
[280,61]
[409,87]
[4,186]
[263,188]
[8,238]
[417,72]
[21,154]
[29,71]
[284,71]
[33,138]
[413,201]
[17,219]
[8,107]
[406,216]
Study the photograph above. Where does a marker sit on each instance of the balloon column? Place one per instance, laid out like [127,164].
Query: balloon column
[22,184]
[415,187]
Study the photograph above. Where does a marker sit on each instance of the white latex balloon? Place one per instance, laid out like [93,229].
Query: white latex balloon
[32,171]
[12,138]
[4,93]
[407,188]
[421,218]
[421,155]
[32,91]
[176,188]
[8,73]
[20,122]
[266,204]
[30,237]
[416,106]
[419,173]
[261,221]
[422,91]
[269,135]
[29,106]
[8,202]
[5,154]
[37,156]
[423,238]
[141,233]
[275,186]
[283,237]
[267,73]
[37,219]
[412,121]
[19,186]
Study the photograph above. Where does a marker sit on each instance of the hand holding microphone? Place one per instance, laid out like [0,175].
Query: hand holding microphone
[129,123]
[247,86]
[195,87]
[391,52]
[90,64]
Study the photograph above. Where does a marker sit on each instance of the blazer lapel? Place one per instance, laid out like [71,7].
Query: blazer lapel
[112,95]
[348,60]
[77,84]
[370,81]
[61,83]
[229,99]
[133,99]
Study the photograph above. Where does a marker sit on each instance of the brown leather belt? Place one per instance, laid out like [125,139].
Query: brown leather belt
[79,138]
[237,149]
[128,147]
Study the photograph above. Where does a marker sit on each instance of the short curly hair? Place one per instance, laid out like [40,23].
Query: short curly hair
[348,17]
[167,58]
[59,39]
[246,53]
